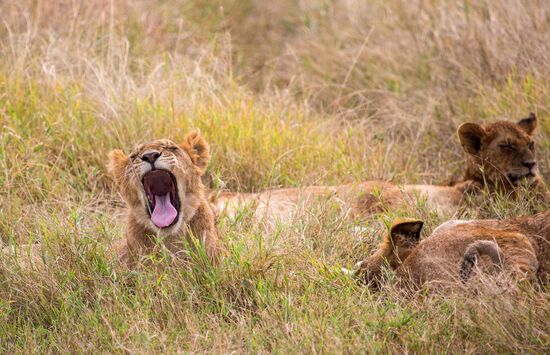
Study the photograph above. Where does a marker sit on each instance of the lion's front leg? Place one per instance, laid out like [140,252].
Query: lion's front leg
[212,246]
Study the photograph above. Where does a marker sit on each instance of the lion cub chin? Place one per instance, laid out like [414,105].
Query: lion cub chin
[160,182]
[457,249]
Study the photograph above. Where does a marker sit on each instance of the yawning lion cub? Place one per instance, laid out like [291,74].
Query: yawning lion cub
[161,184]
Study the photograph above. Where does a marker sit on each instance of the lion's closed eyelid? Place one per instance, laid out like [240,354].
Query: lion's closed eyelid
[508,146]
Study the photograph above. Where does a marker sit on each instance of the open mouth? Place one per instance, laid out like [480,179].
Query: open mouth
[161,190]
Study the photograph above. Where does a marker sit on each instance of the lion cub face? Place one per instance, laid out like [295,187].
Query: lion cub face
[161,181]
[501,153]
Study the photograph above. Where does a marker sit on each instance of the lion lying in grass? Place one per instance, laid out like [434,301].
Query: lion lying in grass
[161,184]
[457,248]
[500,156]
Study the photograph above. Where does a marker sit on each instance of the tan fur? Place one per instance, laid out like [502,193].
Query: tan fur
[401,240]
[475,251]
[363,199]
[360,199]
[187,162]
[523,243]
[500,155]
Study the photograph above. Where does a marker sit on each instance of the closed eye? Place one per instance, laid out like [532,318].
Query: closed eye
[531,146]
[172,149]
[508,147]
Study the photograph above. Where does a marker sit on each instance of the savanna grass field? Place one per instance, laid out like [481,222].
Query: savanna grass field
[287,93]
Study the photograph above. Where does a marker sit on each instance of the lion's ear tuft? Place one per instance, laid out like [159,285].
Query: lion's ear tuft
[117,164]
[197,149]
[471,136]
[529,124]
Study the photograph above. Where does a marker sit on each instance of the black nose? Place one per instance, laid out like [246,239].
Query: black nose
[530,163]
[150,157]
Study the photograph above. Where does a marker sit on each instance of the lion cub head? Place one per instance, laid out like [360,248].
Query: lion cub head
[501,153]
[161,181]
[398,244]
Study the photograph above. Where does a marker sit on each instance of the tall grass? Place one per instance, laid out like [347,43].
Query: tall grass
[288,94]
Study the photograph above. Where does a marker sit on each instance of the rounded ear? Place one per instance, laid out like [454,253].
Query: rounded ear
[197,149]
[406,231]
[117,164]
[529,124]
[471,135]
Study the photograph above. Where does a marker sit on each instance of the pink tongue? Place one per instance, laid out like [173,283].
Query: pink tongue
[164,213]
